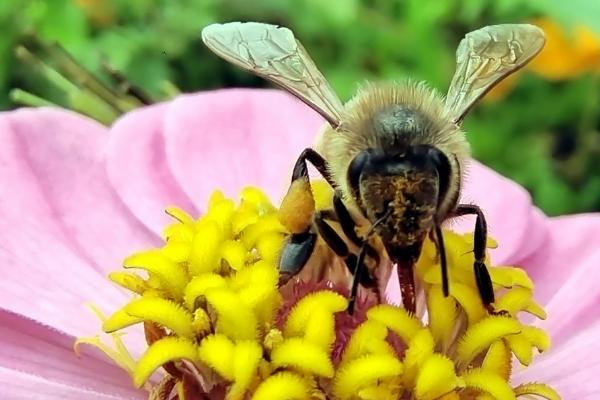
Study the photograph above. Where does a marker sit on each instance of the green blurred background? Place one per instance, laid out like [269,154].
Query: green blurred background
[541,128]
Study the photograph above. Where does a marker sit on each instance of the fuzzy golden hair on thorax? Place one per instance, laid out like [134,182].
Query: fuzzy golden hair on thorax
[391,116]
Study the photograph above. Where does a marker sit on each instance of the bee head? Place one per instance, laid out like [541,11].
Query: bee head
[401,191]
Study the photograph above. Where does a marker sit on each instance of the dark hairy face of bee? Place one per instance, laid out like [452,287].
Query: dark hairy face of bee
[400,185]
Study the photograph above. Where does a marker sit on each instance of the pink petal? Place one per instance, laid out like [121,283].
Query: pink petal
[61,226]
[20,386]
[138,170]
[38,361]
[512,220]
[576,304]
[571,368]
[43,280]
[573,240]
[56,158]
[566,274]
[230,139]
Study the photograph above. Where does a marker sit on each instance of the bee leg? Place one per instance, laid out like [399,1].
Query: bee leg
[297,211]
[346,221]
[296,214]
[353,263]
[331,237]
[317,160]
[348,226]
[439,242]
[482,275]
[359,277]
[295,255]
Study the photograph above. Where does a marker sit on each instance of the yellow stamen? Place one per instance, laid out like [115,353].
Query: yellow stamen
[180,215]
[320,329]
[442,315]
[303,311]
[246,358]
[217,352]
[122,359]
[198,287]
[161,352]
[263,226]
[537,389]
[490,383]
[118,320]
[172,276]
[521,348]
[497,360]
[163,312]
[129,281]
[364,372]
[202,323]
[396,319]
[303,355]
[436,377]
[537,337]
[234,253]
[234,318]
[204,255]
[215,319]
[368,338]
[509,276]
[481,336]
[420,347]
[282,386]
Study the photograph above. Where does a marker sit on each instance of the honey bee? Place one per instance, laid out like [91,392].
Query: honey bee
[395,153]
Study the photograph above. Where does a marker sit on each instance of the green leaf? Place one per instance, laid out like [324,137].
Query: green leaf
[570,12]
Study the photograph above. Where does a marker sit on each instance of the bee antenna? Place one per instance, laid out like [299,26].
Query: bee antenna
[377,222]
[439,242]
[360,265]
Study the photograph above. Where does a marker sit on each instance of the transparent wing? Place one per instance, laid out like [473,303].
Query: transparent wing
[484,57]
[274,53]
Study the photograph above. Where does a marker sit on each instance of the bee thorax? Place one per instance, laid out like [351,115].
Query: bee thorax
[397,125]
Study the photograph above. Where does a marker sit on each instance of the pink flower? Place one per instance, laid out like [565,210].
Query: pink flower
[76,198]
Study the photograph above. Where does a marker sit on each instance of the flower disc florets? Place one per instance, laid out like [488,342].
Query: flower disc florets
[219,325]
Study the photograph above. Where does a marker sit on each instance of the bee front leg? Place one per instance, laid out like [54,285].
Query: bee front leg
[348,225]
[441,249]
[482,275]
[295,255]
[317,160]
[345,219]
[297,212]
[355,264]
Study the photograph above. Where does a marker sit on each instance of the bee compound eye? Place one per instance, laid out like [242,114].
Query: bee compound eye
[356,169]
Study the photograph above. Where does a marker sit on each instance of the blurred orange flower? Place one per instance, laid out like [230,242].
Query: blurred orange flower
[569,52]
[99,12]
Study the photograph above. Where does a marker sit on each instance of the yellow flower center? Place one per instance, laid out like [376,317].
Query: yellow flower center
[218,325]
